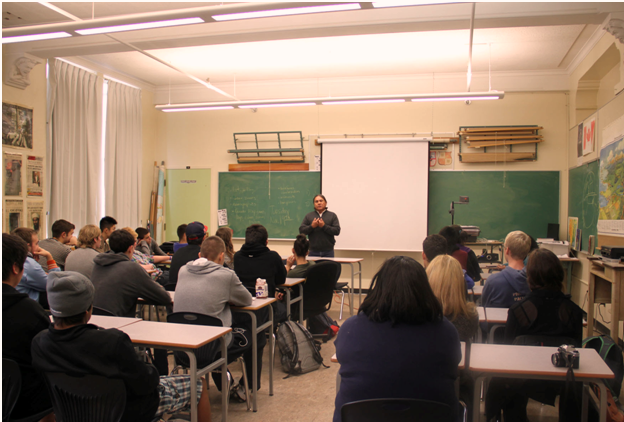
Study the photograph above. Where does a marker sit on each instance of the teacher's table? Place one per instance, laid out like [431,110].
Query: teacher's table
[496,316]
[292,282]
[349,261]
[532,362]
[186,338]
[605,286]
[256,305]
[462,363]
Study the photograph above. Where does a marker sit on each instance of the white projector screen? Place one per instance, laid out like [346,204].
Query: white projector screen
[379,190]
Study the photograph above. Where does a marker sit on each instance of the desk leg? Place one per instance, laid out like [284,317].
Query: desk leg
[224,390]
[494,327]
[590,305]
[476,399]
[254,356]
[288,303]
[300,313]
[603,401]
[272,347]
[193,372]
[360,275]
[615,308]
[352,290]
[584,402]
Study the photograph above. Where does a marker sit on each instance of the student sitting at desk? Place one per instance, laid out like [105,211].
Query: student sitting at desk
[472,264]
[22,320]
[435,245]
[225,233]
[119,282]
[195,233]
[300,252]
[399,345]
[81,260]
[181,231]
[206,287]
[545,312]
[75,347]
[447,282]
[510,285]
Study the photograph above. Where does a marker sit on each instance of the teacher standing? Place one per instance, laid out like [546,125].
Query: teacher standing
[321,226]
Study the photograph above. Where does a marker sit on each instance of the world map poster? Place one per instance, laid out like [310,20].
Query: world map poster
[611,216]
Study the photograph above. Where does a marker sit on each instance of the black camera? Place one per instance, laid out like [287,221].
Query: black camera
[566,357]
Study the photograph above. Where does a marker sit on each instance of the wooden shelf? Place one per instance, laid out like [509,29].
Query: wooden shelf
[473,130]
[482,144]
[497,157]
[501,136]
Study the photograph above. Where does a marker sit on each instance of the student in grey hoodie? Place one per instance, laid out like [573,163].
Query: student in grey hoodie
[119,282]
[206,287]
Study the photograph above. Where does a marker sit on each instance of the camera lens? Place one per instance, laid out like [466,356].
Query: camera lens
[555,359]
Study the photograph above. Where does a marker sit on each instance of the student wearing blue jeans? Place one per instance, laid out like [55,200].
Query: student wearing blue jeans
[321,226]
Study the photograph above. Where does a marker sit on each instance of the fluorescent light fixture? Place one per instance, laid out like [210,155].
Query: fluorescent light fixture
[490,97]
[287,12]
[276,105]
[396,100]
[35,37]
[136,26]
[300,102]
[379,4]
[172,110]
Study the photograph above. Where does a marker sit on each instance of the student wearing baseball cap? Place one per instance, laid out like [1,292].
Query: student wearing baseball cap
[195,233]
[73,346]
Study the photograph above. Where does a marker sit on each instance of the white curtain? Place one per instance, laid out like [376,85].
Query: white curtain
[73,145]
[122,177]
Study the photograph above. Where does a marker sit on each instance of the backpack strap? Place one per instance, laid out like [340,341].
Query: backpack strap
[315,351]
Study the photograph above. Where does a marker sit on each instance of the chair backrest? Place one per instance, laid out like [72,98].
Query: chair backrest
[396,410]
[11,386]
[318,290]
[101,311]
[92,398]
[206,354]
[339,268]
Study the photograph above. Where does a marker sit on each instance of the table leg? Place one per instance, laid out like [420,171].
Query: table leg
[224,390]
[288,303]
[584,402]
[476,399]
[300,312]
[603,400]
[352,290]
[254,354]
[615,308]
[494,327]
[272,344]
[360,275]
[193,372]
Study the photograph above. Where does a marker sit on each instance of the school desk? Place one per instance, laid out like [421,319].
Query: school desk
[291,282]
[496,316]
[186,338]
[110,321]
[532,362]
[256,305]
[349,261]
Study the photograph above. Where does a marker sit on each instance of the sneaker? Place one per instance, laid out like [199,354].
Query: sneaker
[238,394]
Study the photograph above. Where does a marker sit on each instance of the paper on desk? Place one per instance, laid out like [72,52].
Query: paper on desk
[565,255]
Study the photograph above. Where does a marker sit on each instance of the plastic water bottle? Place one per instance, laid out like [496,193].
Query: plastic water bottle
[261,288]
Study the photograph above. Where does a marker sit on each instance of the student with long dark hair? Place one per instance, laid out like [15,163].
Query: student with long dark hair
[225,233]
[399,345]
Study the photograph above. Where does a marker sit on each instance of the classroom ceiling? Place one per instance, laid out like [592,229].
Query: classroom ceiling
[413,40]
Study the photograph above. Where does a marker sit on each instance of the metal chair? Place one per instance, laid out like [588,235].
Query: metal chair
[210,352]
[92,398]
[396,410]
[11,387]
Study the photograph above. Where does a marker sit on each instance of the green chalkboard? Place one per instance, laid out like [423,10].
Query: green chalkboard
[583,199]
[277,200]
[500,201]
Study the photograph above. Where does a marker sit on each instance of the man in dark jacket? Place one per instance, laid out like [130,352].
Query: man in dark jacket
[255,260]
[22,320]
[119,282]
[72,346]
[195,233]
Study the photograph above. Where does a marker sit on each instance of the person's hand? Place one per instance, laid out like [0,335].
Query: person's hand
[315,223]
[279,295]
[38,251]
[321,223]
[501,267]
[290,261]
[73,241]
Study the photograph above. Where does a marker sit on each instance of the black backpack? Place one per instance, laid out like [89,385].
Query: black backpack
[611,353]
[322,324]
[300,353]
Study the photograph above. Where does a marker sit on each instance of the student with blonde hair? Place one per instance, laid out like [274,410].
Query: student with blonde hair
[81,260]
[447,282]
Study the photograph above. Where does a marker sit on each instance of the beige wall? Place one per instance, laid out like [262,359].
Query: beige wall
[34,96]
[201,139]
